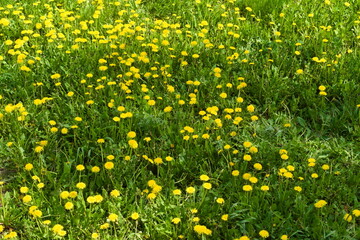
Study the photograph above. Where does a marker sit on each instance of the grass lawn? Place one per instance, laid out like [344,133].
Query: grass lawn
[180,119]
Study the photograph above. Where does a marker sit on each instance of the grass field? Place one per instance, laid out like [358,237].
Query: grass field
[180,119]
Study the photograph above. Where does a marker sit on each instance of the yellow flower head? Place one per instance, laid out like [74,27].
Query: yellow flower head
[55,76]
[320,204]
[299,71]
[80,167]
[207,185]
[134,216]
[28,167]
[356,212]
[109,165]
[348,217]
[264,234]
[38,149]
[115,193]
[69,206]
[247,188]
[177,192]
[133,144]
[113,217]
[201,229]
[190,190]
[81,185]
[204,178]
[26,199]
[176,220]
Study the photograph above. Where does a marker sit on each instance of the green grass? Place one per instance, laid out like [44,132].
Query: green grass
[224,90]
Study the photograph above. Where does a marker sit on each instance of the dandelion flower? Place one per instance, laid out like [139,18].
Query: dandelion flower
[247,144]
[201,229]
[225,217]
[244,238]
[322,88]
[320,204]
[247,188]
[348,217]
[81,185]
[95,235]
[250,108]
[356,212]
[113,217]
[26,199]
[264,234]
[190,190]
[176,220]
[24,189]
[39,149]
[11,234]
[73,194]
[247,157]
[177,192]
[80,167]
[151,196]
[258,166]
[134,216]
[28,167]
[109,165]
[133,144]
[314,175]
[115,193]
[204,178]
[69,206]
[299,71]
[207,186]
[64,130]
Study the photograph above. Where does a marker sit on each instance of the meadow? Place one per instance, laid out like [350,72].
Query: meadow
[181,119]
